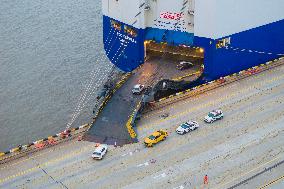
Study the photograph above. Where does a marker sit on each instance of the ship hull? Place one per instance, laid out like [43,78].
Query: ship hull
[251,47]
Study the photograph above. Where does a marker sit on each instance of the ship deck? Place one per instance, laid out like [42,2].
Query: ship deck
[110,127]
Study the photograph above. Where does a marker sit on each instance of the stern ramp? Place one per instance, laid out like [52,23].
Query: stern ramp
[110,126]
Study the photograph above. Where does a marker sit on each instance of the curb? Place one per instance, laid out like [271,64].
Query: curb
[130,123]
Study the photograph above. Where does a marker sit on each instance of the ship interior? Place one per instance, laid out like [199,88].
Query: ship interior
[169,68]
[170,57]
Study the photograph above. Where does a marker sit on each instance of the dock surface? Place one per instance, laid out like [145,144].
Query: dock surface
[247,143]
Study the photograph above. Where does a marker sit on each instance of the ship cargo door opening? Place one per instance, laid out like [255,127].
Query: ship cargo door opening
[178,61]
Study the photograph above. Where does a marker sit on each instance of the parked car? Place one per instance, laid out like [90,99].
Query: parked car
[213,116]
[138,89]
[187,127]
[155,137]
[99,152]
[183,65]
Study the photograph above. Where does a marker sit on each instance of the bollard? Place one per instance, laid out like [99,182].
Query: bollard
[79,138]
[51,141]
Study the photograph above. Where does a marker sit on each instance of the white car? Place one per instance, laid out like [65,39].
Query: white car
[100,151]
[187,127]
[213,116]
[183,65]
[138,89]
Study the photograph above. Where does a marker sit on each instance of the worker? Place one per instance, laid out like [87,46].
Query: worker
[206,179]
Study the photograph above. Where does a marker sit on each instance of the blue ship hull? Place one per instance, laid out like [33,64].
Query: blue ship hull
[261,44]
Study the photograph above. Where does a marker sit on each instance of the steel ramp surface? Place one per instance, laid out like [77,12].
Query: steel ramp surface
[110,125]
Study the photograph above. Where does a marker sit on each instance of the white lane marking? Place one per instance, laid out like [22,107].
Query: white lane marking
[179,187]
[143,164]
[160,176]
[131,153]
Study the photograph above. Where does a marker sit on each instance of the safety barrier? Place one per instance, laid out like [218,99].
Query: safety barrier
[131,121]
[214,84]
[21,150]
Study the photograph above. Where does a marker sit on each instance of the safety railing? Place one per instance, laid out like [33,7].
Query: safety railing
[22,150]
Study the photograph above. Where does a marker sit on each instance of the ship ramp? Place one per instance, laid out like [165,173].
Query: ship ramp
[110,126]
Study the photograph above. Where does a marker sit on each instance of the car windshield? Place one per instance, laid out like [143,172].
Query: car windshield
[97,153]
[151,137]
[211,115]
[184,126]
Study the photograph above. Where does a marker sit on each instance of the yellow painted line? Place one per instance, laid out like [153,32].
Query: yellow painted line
[187,75]
[209,103]
[46,164]
[242,175]
[41,154]
[272,182]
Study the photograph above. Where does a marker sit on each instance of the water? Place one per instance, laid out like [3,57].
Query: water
[48,49]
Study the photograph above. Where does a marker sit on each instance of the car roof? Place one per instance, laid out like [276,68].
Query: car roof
[185,62]
[213,112]
[217,111]
[100,147]
[156,133]
[137,85]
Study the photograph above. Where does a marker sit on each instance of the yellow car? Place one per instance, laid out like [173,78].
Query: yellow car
[155,137]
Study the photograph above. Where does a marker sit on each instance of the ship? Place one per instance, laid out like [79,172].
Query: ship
[231,35]
[149,39]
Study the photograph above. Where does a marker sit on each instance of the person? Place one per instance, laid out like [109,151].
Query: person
[205,179]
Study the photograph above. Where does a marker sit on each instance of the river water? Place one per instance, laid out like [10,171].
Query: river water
[48,50]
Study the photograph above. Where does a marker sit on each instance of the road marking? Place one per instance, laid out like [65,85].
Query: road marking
[272,182]
[46,164]
[171,106]
[241,176]
[179,187]
[40,154]
[160,176]
[155,123]
[143,164]
[130,153]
